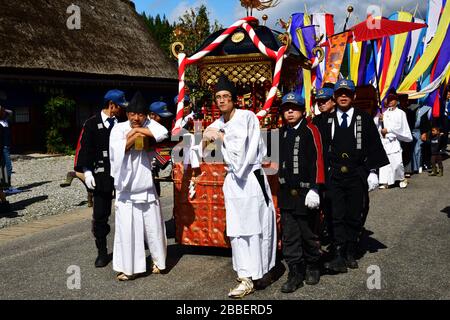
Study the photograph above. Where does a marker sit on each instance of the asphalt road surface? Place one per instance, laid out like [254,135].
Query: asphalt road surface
[407,257]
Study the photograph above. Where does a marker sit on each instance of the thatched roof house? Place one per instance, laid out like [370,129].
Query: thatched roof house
[112,40]
[41,57]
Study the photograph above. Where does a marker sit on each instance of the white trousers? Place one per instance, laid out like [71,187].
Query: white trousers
[394,171]
[134,224]
[252,256]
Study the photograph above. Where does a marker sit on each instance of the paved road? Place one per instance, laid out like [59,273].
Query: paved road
[409,243]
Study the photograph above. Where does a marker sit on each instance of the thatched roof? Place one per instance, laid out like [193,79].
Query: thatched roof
[113,39]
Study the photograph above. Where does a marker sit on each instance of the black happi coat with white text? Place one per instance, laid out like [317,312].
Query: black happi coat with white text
[365,152]
[93,152]
[301,165]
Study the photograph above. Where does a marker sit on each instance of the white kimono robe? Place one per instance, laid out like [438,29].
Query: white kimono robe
[137,211]
[398,130]
[250,221]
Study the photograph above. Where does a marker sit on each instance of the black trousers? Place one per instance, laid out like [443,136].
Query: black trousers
[347,199]
[366,207]
[157,184]
[436,160]
[326,207]
[102,211]
[300,244]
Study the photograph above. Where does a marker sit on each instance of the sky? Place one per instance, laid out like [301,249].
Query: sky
[226,12]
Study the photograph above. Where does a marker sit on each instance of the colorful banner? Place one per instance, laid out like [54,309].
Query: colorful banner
[304,38]
[432,86]
[430,54]
[399,52]
[369,76]
[416,47]
[324,23]
[439,69]
[434,12]
[355,50]
[337,45]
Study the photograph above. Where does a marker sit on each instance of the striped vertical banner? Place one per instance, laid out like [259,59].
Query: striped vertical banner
[303,37]
[399,52]
[416,46]
[435,8]
[386,57]
[335,56]
[324,23]
[439,67]
[355,58]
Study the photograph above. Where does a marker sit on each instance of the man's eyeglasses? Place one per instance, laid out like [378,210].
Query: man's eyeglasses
[224,97]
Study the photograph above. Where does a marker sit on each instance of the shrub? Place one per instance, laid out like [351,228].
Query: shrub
[58,111]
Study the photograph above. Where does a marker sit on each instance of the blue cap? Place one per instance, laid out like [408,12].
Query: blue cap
[186,99]
[294,98]
[160,108]
[116,96]
[324,93]
[344,84]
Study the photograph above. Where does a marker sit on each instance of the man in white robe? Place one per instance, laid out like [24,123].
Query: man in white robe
[395,129]
[137,209]
[250,212]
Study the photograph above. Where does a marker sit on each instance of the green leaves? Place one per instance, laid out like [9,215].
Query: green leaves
[58,112]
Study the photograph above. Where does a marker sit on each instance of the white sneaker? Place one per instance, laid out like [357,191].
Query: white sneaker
[245,287]
[403,184]
[420,169]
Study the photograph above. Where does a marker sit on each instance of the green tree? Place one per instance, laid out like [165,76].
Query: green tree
[192,29]
[161,31]
[57,112]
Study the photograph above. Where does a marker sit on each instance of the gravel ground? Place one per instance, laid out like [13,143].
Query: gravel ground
[39,177]
[39,180]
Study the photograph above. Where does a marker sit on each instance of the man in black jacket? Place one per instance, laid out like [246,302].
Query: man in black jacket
[92,159]
[300,173]
[354,151]
[326,104]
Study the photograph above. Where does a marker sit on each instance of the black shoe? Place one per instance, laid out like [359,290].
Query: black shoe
[350,256]
[338,263]
[295,279]
[5,207]
[102,258]
[312,276]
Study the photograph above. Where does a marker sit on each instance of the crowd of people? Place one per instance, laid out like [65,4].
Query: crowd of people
[327,166]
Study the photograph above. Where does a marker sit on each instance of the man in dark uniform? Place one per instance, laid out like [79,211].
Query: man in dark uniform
[92,159]
[354,152]
[326,104]
[301,171]
[159,113]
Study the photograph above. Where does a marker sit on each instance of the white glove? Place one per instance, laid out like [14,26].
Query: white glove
[89,180]
[372,181]
[312,200]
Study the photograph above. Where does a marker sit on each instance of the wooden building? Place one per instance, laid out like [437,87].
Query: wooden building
[42,55]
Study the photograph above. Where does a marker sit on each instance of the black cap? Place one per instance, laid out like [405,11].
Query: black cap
[225,84]
[392,95]
[138,104]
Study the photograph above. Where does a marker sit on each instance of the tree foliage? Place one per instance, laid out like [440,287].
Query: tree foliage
[191,29]
[57,113]
[161,30]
